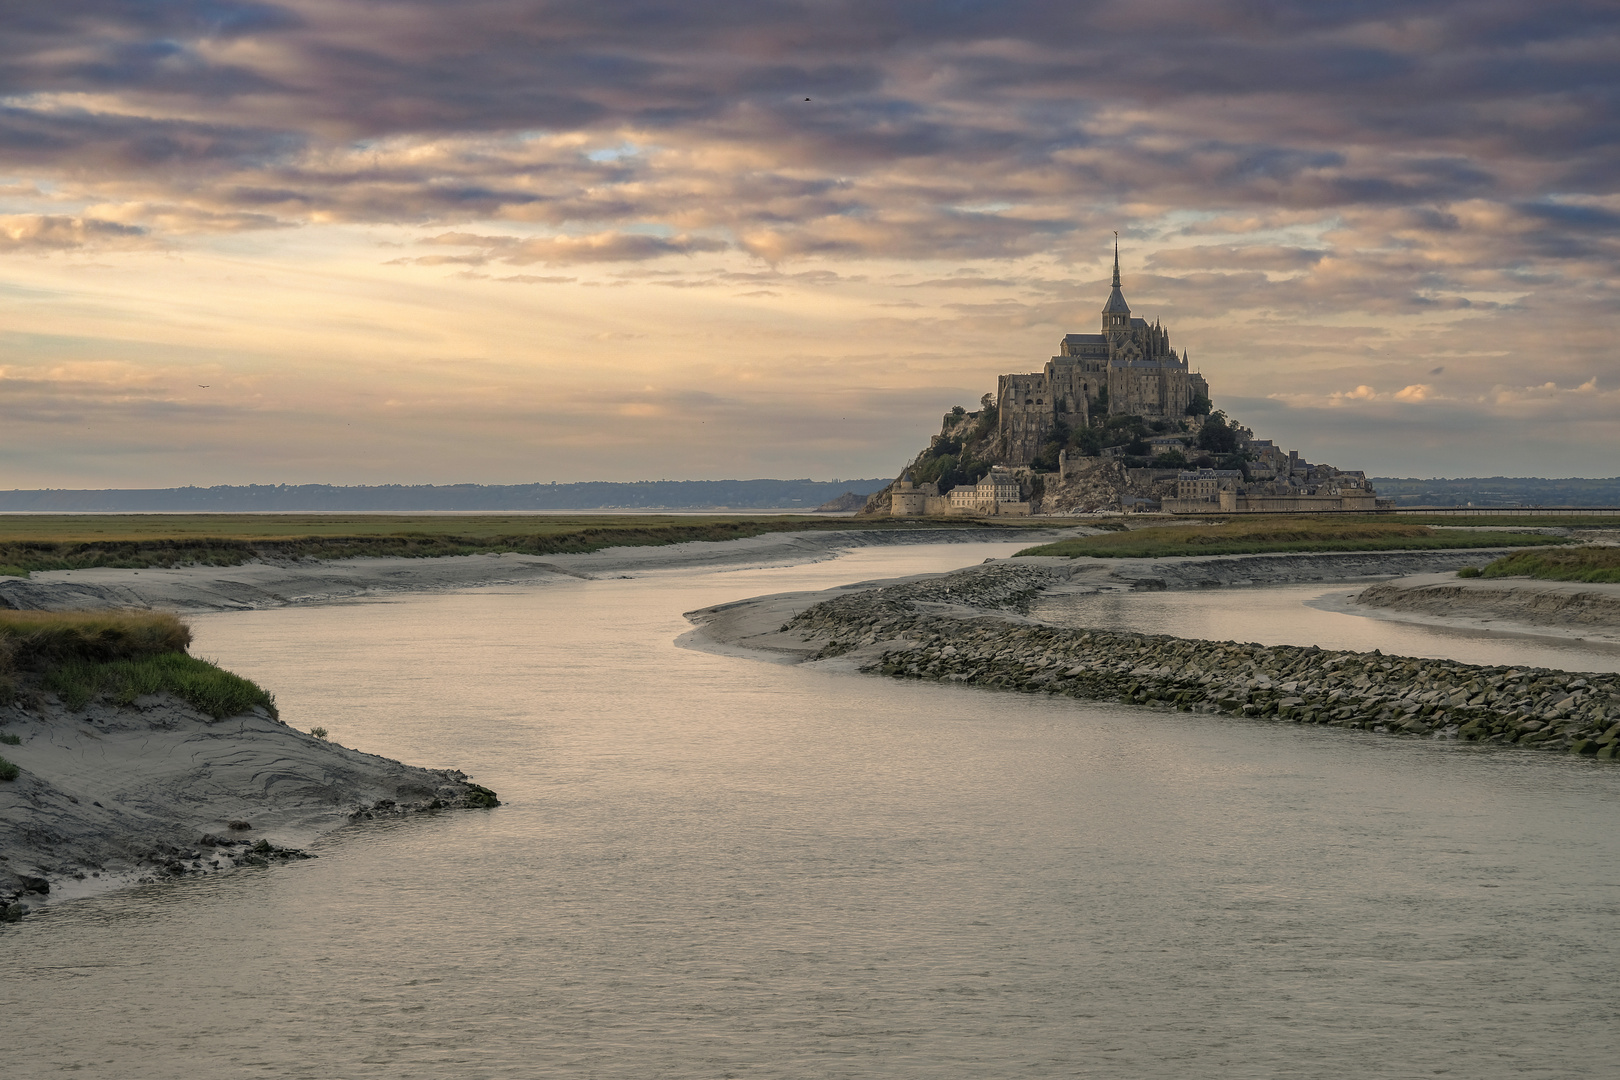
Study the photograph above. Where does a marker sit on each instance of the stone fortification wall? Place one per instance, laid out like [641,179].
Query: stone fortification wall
[966,627]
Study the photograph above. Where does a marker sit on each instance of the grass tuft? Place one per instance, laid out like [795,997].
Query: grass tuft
[209,688]
[1594,564]
[1274,535]
[34,640]
[8,770]
[124,654]
[1468,572]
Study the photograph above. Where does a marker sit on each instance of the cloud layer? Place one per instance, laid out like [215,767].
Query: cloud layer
[1324,200]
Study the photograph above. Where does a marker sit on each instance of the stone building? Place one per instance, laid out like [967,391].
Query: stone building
[1130,359]
[1000,493]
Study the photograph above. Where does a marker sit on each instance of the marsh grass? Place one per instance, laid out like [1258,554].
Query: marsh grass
[1594,564]
[1280,536]
[140,542]
[31,640]
[211,689]
[123,654]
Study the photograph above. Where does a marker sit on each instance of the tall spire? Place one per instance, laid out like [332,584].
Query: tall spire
[1116,313]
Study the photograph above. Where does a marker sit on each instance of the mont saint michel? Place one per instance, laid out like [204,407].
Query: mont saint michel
[1117,420]
[809,541]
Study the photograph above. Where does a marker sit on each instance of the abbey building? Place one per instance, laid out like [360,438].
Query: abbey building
[1128,369]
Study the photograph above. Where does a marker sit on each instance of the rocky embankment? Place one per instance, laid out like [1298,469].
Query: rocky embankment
[971,627]
[108,794]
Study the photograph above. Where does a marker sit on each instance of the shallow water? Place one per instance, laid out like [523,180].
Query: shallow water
[709,866]
[1307,615]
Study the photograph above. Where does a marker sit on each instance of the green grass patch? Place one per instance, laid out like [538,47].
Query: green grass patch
[11,740]
[1253,537]
[141,541]
[1595,564]
[210,689]
[124,654]
[8,770]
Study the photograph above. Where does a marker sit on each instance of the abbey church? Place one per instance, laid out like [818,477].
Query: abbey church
[1130,366]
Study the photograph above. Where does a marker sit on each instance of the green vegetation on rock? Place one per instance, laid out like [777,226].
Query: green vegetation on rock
[123,654]
[8,770]
[1594,564]
[1284,535]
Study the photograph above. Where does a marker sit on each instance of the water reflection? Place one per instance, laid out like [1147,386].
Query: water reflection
[710,866]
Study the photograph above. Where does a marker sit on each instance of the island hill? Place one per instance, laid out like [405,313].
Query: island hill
[1116,421]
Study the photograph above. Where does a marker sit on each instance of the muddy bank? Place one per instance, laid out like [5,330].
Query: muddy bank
[973,626]
[110,795]
[1570,608]
[1228,571]
[266,585]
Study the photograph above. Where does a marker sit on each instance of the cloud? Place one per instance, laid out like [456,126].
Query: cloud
[1418,200]
[561,250]
[58,232]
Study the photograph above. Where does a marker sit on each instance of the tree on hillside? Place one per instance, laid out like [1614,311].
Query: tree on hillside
[1217,436]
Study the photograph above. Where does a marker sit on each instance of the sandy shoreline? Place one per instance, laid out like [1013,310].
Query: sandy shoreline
[1572,610]
[257,585]
[111,795]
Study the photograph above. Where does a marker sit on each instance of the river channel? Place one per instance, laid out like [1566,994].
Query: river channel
[711,866]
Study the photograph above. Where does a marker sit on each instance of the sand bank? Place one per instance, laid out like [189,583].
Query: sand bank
[265,585]
[1568,609]
[110,795]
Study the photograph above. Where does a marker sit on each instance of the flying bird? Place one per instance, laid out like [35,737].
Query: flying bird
[203,385]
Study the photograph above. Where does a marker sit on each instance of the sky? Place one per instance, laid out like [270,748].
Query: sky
[491,241]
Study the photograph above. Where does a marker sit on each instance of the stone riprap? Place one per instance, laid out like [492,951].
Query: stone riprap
[970,627]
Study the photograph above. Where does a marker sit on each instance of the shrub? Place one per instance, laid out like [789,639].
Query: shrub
[11,740]
[319,732]
[8,771]
[1468,571]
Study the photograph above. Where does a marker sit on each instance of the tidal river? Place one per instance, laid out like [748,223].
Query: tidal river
[711,866]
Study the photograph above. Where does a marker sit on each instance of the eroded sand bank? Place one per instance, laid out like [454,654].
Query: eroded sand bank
[1567,609]
[112,794]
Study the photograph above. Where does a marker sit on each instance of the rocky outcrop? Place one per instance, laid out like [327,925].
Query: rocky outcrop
[112,794]
[971,627]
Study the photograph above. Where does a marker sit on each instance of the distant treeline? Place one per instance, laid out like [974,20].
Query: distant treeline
[642,495]
[1500,491]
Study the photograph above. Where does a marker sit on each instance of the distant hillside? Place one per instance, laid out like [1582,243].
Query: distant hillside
[642,495]
[1500,491]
